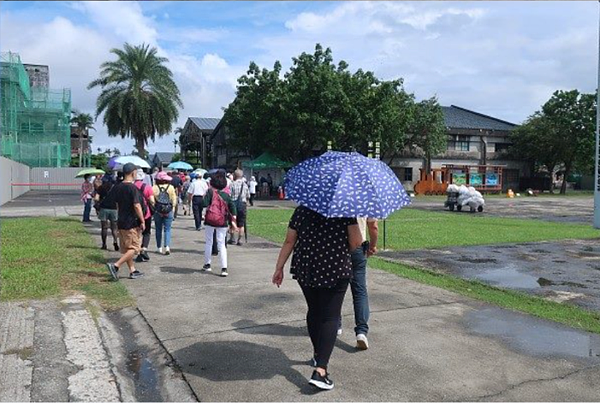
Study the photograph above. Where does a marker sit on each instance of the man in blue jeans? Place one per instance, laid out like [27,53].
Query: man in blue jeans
[358,284]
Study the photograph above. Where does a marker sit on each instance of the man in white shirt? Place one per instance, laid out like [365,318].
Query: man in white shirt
[197,190]
[358,284]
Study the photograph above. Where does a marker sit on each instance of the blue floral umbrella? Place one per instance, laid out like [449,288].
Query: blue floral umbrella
[180,165]
[339,184]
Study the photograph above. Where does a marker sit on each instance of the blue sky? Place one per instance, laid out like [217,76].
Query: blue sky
[499,58]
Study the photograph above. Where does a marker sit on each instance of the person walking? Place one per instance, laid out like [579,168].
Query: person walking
[131,222]
[358,284]
[270,183]
[321,265]
[108,210]
[196,193]
[240,194]
[148,194]
[165,197]
[221,210]
[87,189]
[177,183]
[252,186]
[186,200]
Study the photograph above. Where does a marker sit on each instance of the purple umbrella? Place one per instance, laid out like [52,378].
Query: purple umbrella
[112,162]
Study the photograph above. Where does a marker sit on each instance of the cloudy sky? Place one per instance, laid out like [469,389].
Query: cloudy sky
[500,58]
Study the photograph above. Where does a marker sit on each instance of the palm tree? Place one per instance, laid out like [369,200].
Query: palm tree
[83,122]
[139,97]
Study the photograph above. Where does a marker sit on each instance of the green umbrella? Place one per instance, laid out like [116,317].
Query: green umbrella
[89,171]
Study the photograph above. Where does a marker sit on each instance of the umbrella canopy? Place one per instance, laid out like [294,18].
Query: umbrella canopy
[338,184]
[200,171]
[112,162]
[180,165]
[89,171]
[266,161]
[134,159]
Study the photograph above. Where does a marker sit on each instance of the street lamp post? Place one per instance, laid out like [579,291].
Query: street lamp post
[597,150]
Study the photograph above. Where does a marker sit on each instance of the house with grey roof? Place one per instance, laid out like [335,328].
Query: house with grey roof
[473,139]
[195,137]
[161,159]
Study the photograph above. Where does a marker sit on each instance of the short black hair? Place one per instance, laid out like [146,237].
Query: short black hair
[218,180]
[86,176]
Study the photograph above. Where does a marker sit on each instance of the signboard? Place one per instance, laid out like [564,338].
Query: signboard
[491,179]
[370,149]
[377,150]
[329,145]
[459,179]
[46,174]
[476,179]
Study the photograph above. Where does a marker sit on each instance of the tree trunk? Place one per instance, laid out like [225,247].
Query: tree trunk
[427,162]
[140,146]
[80,130]
[563,188]
[394,155]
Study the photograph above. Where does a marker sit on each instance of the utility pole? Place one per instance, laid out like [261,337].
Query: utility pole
[597,154]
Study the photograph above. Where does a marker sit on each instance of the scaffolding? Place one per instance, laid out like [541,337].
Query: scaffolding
[34,122]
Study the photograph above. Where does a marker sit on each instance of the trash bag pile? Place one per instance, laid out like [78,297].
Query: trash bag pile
[468,196]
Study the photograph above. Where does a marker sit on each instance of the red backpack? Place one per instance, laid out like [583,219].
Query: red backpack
[217,212]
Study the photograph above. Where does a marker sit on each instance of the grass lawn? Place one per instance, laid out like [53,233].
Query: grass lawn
[47,257]
[419,229]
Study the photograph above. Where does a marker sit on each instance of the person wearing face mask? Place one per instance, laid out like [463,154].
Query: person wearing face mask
[87,188]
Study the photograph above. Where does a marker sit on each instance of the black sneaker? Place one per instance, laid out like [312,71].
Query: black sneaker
[104,247]
[136,274]
[321,382]
[113,270]
[206,267]
[231,242]
[223,272]
[145,256]
[139,258]
[116,245]
[239,243]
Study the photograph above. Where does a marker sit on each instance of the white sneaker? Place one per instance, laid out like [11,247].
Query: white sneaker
[362,343]
[339,332]
[159,251]
[167,251]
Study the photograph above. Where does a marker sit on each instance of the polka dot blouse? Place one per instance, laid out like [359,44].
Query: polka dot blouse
[321,257]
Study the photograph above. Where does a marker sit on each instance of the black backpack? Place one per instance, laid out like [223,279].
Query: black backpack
[163,202]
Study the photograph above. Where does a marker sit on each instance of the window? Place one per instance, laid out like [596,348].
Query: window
[499,147]
[462,143]
[408,175]
[459,143]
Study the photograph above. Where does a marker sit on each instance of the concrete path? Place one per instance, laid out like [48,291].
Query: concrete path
[242,339]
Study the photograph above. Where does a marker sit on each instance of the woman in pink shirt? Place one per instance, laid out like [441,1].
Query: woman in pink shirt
[148,194]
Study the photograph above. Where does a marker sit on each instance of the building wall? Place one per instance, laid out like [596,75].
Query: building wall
[12,172]
[39,75]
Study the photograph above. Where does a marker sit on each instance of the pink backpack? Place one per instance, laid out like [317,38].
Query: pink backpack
[217,212]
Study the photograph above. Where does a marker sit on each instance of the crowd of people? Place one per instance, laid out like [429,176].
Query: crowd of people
[329,254]
[130,201]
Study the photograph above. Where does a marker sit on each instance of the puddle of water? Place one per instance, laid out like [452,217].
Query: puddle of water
[509,277]
[532,335]
[144,375]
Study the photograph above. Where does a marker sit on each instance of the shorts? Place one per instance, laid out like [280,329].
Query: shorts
[108,215]
[131,239]
[241,216]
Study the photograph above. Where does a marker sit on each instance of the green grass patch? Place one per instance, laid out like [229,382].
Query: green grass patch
[47,257]
[420,229]
[563,313]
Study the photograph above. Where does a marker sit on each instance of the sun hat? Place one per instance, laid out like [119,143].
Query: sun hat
[162,176]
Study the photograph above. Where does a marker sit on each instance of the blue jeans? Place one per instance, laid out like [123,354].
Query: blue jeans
[87,209]
[163,223]
[360,297]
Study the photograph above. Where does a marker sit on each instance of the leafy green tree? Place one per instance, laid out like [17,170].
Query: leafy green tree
[139,97]
[83,122]
[99,161]
[428,130]
[316,101]
[561,134]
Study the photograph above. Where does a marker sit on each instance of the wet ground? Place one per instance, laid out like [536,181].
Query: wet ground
[562,271]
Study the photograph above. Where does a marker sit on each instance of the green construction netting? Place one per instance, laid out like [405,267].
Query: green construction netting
[35,122]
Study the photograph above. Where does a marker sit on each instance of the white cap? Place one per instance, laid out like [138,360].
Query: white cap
[140,175]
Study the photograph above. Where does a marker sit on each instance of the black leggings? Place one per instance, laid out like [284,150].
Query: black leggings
[147,232]
[324,312]
[113,228]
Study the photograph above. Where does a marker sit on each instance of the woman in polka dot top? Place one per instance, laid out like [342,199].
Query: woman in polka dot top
[321,264]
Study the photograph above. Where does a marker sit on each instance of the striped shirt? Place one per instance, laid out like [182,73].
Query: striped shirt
[237,187]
